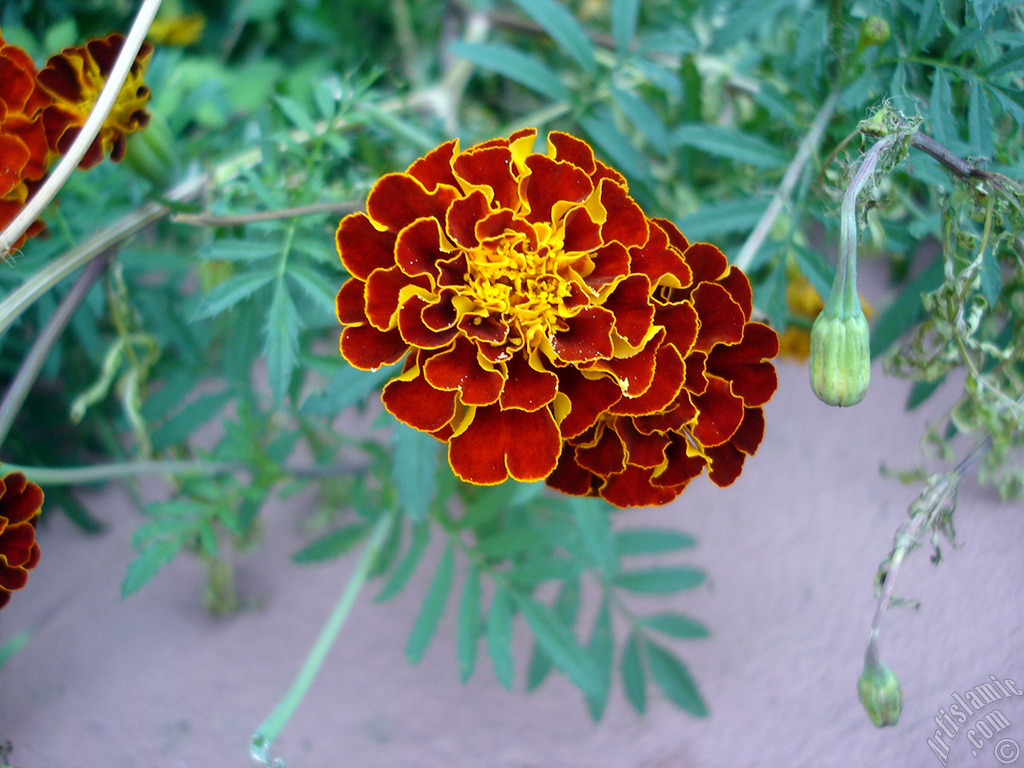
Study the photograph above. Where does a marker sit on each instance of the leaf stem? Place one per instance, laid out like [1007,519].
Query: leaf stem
[276,721]
[105,102]
[210,220]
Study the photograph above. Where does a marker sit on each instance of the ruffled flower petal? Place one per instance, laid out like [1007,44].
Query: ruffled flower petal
[20,505]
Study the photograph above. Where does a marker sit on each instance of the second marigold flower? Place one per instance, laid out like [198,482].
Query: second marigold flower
[539,312]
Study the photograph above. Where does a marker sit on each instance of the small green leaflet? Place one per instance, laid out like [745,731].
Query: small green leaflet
[499,636]
[558,21]
[675,624]
[673,678]
[333,544]
[229,293]
[150,560]
[633,678]
[468,632]
[515,65]
[660,581]
[282,345]
[433,607]
[731,144]
[651,541]
[414,469]
[400,576]
[559,642]
[601,648]
[624,20]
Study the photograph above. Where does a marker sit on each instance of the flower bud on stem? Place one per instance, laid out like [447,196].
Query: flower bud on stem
[840,359]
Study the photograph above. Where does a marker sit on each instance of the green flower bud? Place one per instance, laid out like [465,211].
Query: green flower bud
[840,359]
[879,691]
[874,30]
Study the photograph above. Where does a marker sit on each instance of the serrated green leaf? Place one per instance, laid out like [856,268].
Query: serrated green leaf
[185,422]
[595,528]
[744,18]
[296,114]
[559,642]
[634,679]
[468,632]
[414,469]
[1011,101]
[979,122]
[148,563]
[567,606]
[660,580]
[673,678]
[724,218]
[643,118]
[512,63]
[624,22]
[1011,61]
[905,309]
[163,528]
[515,541]
[675,624]
[940,110]
[920,391]
[333,544]
[229,249]
[228,294]
[348,387]
[282,345]
[558,21]
[928,24]
[601,648]
[651,541]
[537,570]
[314,285]
[601,128]
[400,576]
[732,144]
[499,636]
[433,607]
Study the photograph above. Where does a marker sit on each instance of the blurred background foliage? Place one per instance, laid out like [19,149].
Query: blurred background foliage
[214,339]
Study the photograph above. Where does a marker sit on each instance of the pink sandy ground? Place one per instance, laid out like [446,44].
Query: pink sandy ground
[791,550]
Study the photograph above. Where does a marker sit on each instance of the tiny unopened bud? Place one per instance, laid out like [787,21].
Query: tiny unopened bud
[879,691]
[874,30]
[840,358]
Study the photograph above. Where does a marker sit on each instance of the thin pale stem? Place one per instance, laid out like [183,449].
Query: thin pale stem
[33,362]
[105,102]
[276,721]
[101,473]
[807,147]
[210,220]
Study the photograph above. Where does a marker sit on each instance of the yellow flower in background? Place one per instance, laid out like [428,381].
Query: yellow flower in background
[178,30]
[74,78]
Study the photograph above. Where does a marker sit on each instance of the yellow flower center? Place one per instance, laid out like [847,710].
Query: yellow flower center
[522,286]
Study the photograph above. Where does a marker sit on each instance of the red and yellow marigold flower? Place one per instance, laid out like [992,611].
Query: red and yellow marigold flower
[545,322]
[20,504]
[74,78]
[23,146]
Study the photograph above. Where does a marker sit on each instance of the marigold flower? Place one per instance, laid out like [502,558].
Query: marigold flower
[20,504]
[541,316]
[23,147]
[74,78]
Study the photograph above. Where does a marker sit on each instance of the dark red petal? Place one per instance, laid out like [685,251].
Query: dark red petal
[637,372]
[398,199]
[525,387]
[674,419]
[707,263]
[626,223]
[12,577]
[682,467]
[550,182]
[490,167]
[745,366]
[441,315]
[633,488]
[435,167]
[721,318]
[368,349]
[681,323]
[588,337]
[458,369]
[573,150]
[719,413]
[485,330]
[611,262]
[362,247]
[383,288]
[582,233]
[738,286]
[569,477]
[589,398]
[630,302]
[497,444]
[657,258]
[675,237]
[725,464]
[463,216]
[418,250]
[416,403]
[21,500]
[14,156]
[415,331]
[642,450]
[748,437]
[669,372]
[350,302]
[602,171]
[16,543]
[605,457]
[696,381]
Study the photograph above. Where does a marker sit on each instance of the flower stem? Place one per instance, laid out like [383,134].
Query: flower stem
[105,102]
[276,721]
